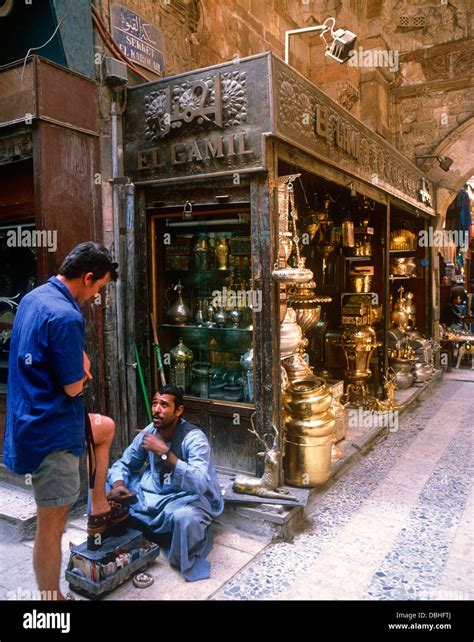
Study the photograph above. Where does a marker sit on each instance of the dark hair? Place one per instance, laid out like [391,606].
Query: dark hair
[455,295]
[89,257]
[177,393]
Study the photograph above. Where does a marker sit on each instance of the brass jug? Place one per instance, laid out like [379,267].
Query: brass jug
[179,312]
[399,315]
[310,432]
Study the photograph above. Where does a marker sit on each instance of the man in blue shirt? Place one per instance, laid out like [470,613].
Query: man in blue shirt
[169,468]
[44,432]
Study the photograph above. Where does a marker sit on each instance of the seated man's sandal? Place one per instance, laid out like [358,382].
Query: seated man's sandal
[128,500]
[98,524]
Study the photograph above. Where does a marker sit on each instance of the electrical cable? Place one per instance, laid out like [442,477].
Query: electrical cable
[112,44]
[47,42]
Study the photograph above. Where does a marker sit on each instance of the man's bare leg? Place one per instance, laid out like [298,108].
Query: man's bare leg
[50,526]
[103,429]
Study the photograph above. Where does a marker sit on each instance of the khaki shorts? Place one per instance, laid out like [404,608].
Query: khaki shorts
[56,482]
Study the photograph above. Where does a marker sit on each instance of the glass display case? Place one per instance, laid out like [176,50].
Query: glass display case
[203,300]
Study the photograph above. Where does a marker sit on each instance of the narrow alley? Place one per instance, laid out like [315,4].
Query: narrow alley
[398,525]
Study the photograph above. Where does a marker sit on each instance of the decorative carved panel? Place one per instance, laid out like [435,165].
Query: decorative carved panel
[376,160]
[199,122]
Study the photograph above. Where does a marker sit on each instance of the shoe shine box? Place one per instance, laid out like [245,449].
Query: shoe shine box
[93,573]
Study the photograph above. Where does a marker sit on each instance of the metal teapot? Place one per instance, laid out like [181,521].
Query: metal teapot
[179,312]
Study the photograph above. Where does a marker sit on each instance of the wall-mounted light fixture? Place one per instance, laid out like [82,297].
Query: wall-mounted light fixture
[342,40]
[444,161]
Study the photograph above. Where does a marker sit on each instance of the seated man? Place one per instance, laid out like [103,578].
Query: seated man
[178,492]
[455,313]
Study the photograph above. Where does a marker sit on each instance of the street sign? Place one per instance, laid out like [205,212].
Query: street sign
[139,40]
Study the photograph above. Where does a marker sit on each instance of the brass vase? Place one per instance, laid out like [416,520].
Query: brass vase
[201,252]
[179,312]
[222,253]
[310,432]
[358,344]
[303,300]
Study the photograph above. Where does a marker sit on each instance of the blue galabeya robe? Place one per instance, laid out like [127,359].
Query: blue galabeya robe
[184,505]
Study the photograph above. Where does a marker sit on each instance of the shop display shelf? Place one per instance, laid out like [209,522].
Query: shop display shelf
[207,272]
[203,328]
[358,258]
[397,251]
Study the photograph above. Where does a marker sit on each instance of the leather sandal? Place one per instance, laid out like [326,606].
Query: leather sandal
[127,500]
[98,524]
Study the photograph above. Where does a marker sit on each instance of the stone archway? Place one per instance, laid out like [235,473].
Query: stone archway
[459,146]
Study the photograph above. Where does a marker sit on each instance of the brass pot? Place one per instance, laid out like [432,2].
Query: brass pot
[399,267]
[290,334]
[308,446]
[292,275]
[402,240]
[422,372]
[402,368]
[308,314]
[400,319]
[302,299]
[361,282]
[296,367]
[411,266]
[307,397]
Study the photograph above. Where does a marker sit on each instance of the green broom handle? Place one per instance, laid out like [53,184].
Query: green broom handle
[142,384]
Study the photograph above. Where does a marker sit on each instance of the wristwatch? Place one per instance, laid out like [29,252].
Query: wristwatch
[165,456]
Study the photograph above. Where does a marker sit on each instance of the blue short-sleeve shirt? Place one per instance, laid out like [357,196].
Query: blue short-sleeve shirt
[46,353]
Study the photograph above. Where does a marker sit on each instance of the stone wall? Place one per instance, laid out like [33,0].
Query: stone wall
[416,99]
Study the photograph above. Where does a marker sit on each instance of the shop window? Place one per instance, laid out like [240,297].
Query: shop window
[17,278]
[204,300]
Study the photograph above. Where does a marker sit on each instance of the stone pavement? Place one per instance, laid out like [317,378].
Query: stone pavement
[232,550]
[398,524]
